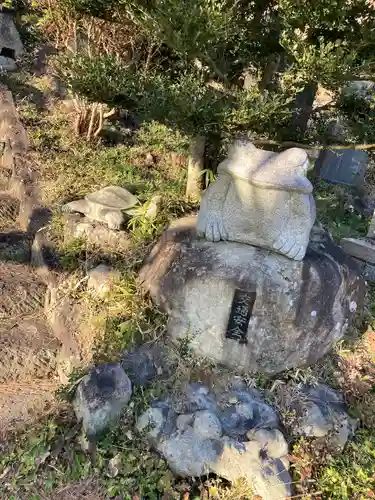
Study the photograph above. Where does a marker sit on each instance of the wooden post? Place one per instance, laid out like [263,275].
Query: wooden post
[195,168]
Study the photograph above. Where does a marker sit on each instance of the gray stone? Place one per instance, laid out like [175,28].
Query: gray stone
[102,278]
[196,397]
[105,205]
[312,422]
[153,207]
[101,397]
[189,455]
[10,41]
[260,198]
[7,64]
[152,421]
[159,421]
[193,443]
[272,441]
[184,421]
[207,425]
[343,166]
[141,364]
[268,477]
[367,270]
[321,412]
[95,234]
[246,413]
[300,308]
[362,89]
[361,248]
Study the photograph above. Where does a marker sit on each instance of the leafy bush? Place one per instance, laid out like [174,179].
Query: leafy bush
[189,104]
[187,58]
[350,476]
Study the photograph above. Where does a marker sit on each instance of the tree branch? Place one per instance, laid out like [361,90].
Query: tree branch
[291,144]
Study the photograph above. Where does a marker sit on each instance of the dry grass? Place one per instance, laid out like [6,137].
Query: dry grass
[87,489]
[22,403]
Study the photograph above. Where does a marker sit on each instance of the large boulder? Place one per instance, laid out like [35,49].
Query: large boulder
[250,308]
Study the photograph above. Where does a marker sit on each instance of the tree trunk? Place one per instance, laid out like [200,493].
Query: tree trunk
[303,108]
[195,168]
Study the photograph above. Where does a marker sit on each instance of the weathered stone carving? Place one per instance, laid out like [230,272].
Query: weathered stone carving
[260,198]
[105,205]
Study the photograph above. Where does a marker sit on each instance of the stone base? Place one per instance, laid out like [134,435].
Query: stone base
[294,312]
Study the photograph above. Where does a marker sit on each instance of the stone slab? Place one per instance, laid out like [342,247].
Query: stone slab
[363,249]
[343,166]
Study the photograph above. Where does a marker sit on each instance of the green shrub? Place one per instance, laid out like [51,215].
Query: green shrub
[351,475]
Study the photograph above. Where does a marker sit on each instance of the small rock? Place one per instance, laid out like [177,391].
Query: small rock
[344,429]
[184,421]
[207,425]
[141,364]
[189,455]
[268,477]
[102,278]
[153,207]
[152,421]
[101,397]
[321,412]
[272,441]
[76,226]
[7,64]
[249,413]
[149,160]
[312,422]
[196,397]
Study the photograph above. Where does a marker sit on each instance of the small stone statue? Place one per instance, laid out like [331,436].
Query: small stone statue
[260,198]
[105,205]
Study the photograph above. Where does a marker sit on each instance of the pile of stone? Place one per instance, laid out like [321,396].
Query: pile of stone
[233,433]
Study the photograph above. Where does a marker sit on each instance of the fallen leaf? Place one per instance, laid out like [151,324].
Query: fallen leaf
[114,466]
[42,458]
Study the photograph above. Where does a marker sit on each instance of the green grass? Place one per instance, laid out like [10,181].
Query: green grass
[335,211]
[351,475]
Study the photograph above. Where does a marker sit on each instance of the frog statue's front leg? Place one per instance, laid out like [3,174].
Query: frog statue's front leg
[210,223]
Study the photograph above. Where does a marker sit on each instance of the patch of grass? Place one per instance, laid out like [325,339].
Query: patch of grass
[343,476]
[335,211]
[350,475]
[51,456]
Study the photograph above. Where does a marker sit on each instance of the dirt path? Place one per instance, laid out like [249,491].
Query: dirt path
[28,347]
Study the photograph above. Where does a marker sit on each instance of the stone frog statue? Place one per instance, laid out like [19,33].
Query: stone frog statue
[260,198]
